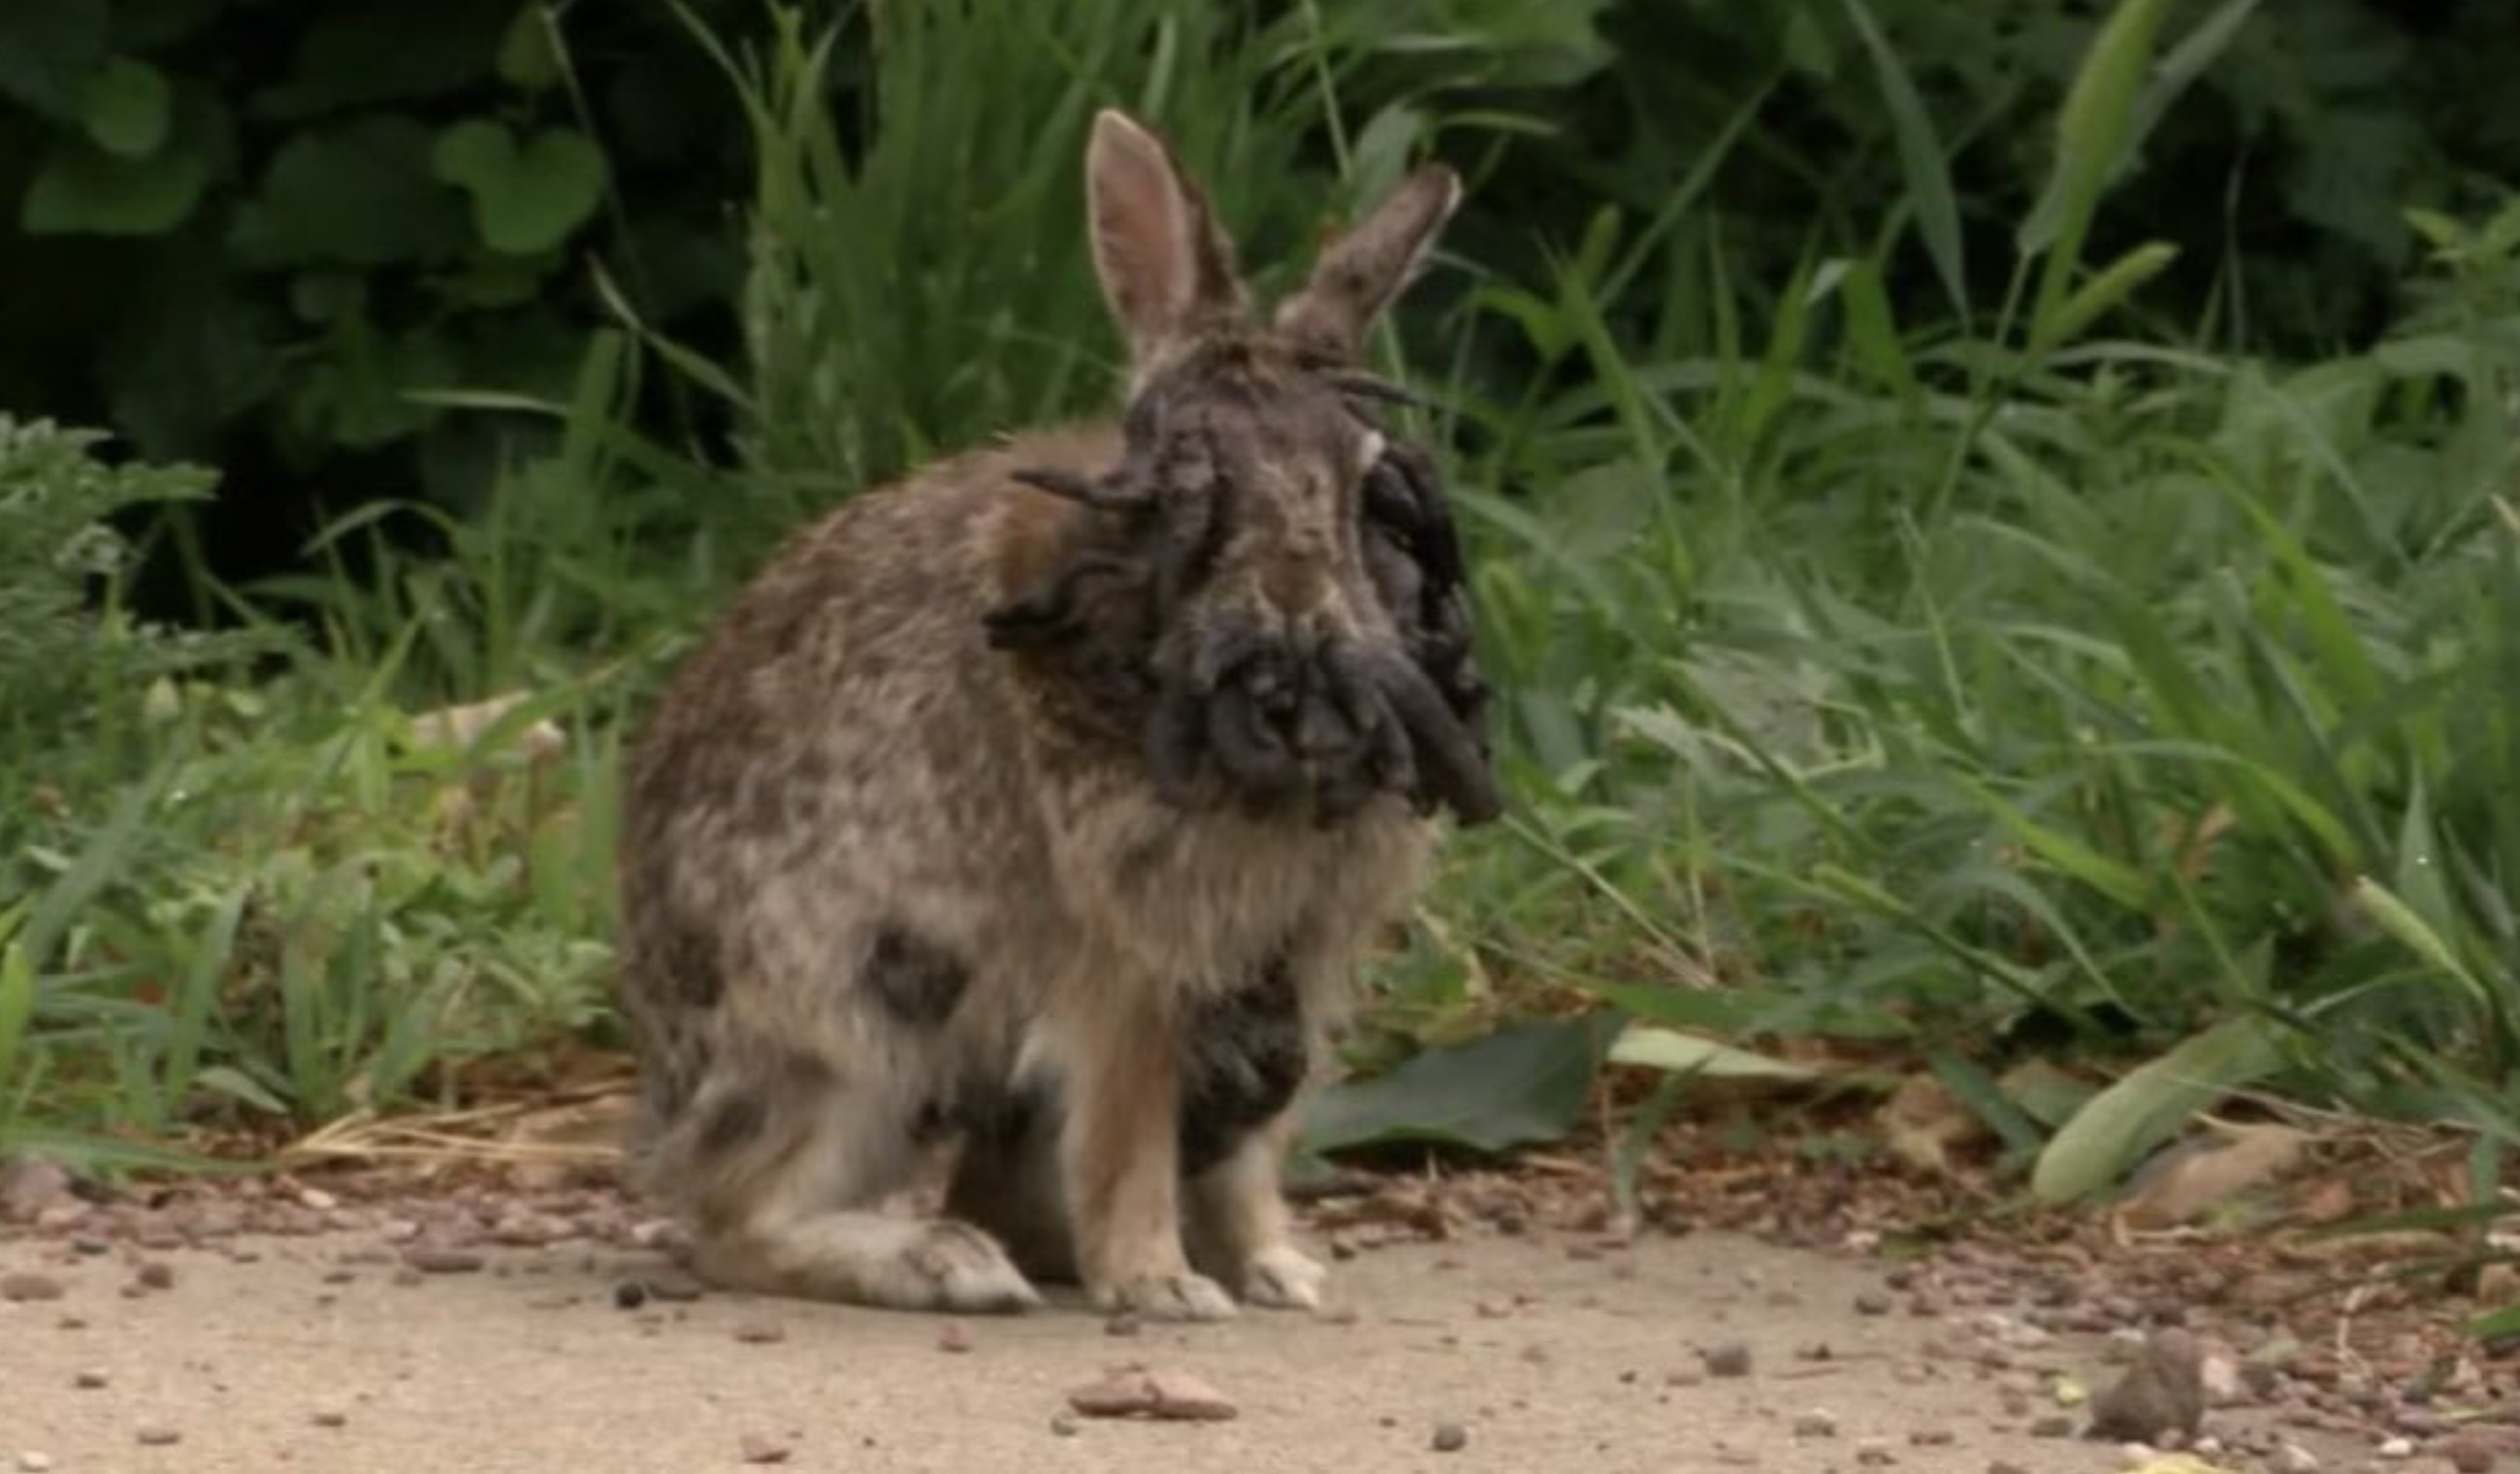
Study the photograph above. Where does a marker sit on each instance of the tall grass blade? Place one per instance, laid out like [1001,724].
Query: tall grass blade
[2092,137]
[1922,158]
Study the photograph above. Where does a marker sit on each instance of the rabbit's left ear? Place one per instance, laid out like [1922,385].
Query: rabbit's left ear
[1167,271]
[1361,272]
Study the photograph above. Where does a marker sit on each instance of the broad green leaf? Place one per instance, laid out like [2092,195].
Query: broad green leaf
[358,193]
[46,48]
[387,51]
[2149,1103]
[1688,1055]
[82,189]
[525,199]
[124,108]
[527,55]
[1514,1087]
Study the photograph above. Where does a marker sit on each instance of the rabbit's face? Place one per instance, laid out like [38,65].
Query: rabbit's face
[1236,518]
[1258,468]
[1273,650]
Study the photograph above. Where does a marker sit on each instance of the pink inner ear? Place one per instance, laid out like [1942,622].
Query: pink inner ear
[1145,233]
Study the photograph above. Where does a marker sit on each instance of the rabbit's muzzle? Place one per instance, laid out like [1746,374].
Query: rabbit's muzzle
[1334,720]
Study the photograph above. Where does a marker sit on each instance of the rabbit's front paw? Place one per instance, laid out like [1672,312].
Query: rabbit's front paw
[1284,1277]
[1168,1297]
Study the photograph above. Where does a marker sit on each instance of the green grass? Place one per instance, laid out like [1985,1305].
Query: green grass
[1980,679]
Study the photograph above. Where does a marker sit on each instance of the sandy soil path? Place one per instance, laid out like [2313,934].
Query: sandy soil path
[325,1353]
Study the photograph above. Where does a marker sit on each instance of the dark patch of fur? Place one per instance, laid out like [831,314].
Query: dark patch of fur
[1244,1057]
[917,980]
[734,1122]
[689,960]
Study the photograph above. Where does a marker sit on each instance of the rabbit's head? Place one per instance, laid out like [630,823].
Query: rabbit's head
[1236,518]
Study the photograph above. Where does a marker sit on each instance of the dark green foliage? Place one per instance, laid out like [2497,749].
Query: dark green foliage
[263,231]
[70,652]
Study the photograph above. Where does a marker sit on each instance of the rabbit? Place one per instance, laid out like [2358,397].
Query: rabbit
[1041,805]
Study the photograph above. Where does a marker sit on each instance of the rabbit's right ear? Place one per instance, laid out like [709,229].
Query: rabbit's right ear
[1166,270]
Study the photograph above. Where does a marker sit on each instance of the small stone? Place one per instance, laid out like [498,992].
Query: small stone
[1874,1453]
[2469,1456]
[2396,1448]
[30,1184]
[629,1295]
[1931,1438]
[404,1278]
[1125,1324]
[760,1332]
[24,1288]
[2293,1459]
[1450,1438]
[1731,1358]
[2004,1466]
[1061,1425]
[430,1259]
[2163,1392]
[1182,1396]
[761,1448]
[33,1462]
[329,1417]
[1816,1423]
[952,1338]
[1169,1395]
[89,1380]
[157,1435]
[1873,1303]
[2054,1425]
[157,1274]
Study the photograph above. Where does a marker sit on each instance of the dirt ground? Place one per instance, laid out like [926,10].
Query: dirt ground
[1539,1351]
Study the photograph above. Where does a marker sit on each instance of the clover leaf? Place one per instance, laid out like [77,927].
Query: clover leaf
[525,199]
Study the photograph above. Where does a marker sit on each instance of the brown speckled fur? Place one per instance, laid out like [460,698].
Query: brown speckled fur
[882,881]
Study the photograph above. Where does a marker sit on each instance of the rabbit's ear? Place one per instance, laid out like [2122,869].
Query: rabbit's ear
[1361,272]
[1166,269]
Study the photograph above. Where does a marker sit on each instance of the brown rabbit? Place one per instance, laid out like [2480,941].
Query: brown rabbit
[1046,801]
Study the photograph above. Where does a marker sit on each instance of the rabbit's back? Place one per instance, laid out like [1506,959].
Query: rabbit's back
[823,783]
